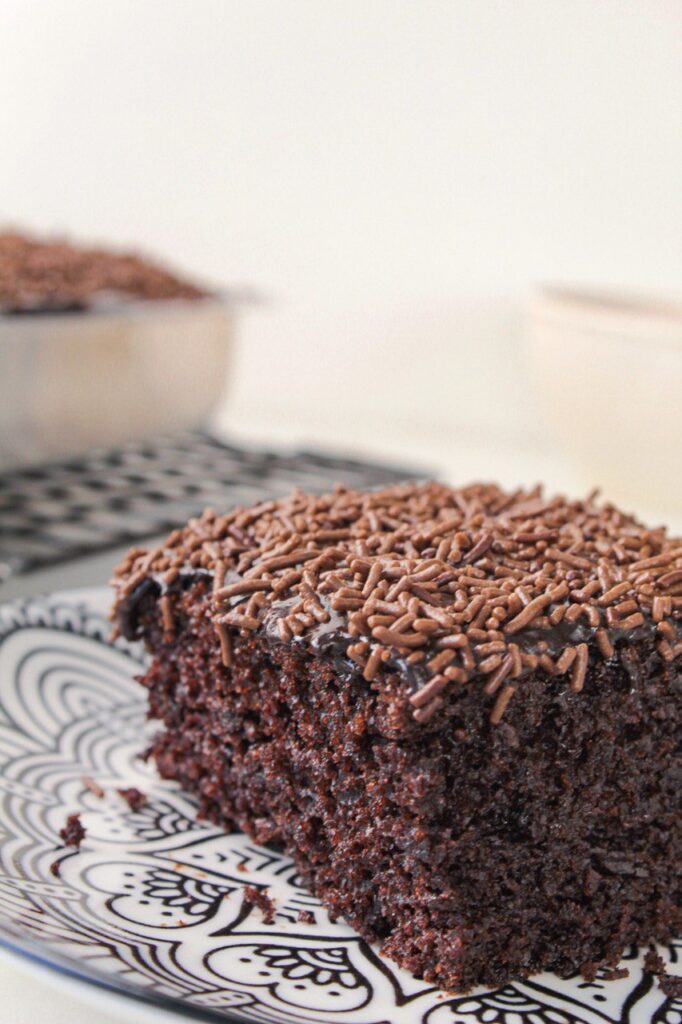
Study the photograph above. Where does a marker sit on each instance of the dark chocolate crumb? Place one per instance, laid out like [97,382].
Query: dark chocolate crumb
[669,984]
[377,784]
[135,799]
[306,917]
[39,275]
[615,973]
[456,581]
[589,970]
[654,963]
[55,867]
[241,867]
[259,898]
[73,832]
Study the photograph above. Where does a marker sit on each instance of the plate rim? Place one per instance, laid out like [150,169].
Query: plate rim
[117,1003]
[37,955]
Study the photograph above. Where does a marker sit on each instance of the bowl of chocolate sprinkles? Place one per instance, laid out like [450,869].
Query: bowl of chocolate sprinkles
[98,347]
[608,373]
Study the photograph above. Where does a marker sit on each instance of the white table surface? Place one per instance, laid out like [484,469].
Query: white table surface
[32,993]
[28,997]
[36,996]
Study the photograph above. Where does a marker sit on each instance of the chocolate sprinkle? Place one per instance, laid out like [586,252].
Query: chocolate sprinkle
[92,786]
[453,584]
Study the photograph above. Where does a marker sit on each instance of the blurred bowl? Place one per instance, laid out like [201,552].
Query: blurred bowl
[74,381]
[608,373]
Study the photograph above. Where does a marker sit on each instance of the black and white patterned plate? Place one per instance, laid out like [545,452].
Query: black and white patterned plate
[152,905]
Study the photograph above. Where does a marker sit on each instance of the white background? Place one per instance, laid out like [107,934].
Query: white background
[393,176]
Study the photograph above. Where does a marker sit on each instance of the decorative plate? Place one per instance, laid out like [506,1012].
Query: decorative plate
[152,905]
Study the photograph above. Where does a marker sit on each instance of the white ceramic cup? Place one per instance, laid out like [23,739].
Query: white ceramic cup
[608,374]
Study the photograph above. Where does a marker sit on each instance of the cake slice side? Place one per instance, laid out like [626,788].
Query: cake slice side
[473,851]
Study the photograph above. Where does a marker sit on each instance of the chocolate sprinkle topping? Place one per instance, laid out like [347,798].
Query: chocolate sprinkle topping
[40,276]
[448,585]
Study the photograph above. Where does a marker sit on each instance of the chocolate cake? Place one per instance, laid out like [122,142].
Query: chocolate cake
[457,710]
[39,276]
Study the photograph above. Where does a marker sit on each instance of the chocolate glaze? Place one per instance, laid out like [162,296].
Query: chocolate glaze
[332,639]
[444,585]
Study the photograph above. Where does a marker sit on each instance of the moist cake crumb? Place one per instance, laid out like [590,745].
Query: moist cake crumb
[670,985]
[654,962]
[306,917]
[259,898]
[38,276]
[135,799]
[73,832]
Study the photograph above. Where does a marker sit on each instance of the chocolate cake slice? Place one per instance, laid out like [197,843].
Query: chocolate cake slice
[457,710]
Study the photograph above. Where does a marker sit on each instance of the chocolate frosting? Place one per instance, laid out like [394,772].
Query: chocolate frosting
[445,585]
